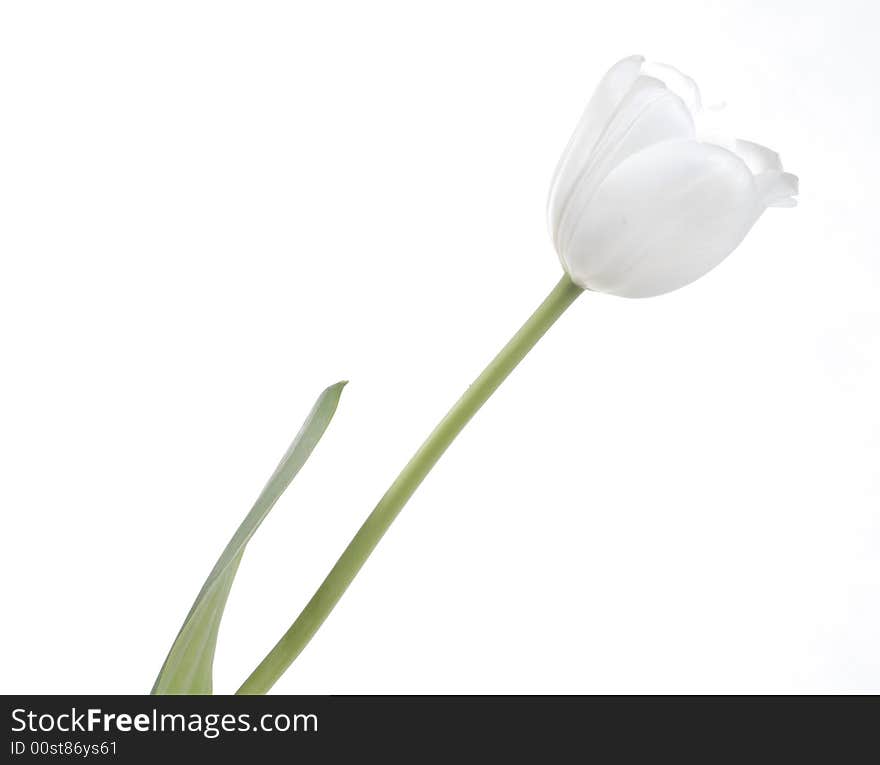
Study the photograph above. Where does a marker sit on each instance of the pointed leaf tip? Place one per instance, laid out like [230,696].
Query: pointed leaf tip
[188,668]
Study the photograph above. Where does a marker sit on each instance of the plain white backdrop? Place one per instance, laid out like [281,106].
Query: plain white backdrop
[210,211]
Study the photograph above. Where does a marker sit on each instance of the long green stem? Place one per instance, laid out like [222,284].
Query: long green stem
[378,522]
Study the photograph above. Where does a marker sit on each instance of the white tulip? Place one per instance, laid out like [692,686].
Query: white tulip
[646,198]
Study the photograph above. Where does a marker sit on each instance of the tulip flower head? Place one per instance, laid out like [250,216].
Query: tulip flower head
[647,197]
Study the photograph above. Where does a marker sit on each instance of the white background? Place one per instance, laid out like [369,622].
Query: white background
[210,211]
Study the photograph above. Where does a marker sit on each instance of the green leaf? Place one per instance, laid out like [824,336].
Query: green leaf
[188,669]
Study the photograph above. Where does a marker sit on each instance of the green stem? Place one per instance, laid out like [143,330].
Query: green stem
[378,522]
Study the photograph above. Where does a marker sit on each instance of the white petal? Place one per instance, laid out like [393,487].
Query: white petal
[605,100]
[678,82]
[758,158]
[662,218]
[649,113]
[777,189]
